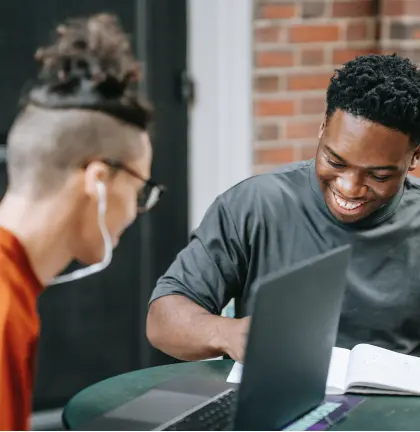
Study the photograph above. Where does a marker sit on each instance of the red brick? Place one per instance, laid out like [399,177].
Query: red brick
[312,57]
[416,34]
[353,8]
[275,155]
[309,82]
[268,59]
[412,7]
[392,7]
[314,33]
[342,56]
[274,108]
[267,34]
[299,130]
[277,11]
[356,31]
[267,132]
[400,7]
[313,105]
[266,84]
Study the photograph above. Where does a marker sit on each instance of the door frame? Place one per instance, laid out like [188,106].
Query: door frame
[220,40]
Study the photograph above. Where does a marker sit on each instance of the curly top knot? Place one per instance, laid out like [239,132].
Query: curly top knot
[90,66]
[95,48]
[384,89]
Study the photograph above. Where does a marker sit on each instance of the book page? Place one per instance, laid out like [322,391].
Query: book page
[235,374]
[336,381]
[336,373]
[374,367]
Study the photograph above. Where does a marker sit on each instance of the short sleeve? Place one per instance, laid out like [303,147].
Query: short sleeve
[212,269]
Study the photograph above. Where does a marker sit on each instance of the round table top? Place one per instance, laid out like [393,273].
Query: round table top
[375,413]
[113,392]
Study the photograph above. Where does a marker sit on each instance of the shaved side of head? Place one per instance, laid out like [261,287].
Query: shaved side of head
[45,145]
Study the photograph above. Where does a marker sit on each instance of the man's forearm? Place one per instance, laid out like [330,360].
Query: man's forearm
[184,330]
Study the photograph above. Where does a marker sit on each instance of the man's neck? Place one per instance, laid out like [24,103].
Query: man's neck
[42,228]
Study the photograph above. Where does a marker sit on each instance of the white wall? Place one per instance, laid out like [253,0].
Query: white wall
[220,62]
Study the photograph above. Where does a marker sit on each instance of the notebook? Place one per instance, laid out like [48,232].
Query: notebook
[365,369]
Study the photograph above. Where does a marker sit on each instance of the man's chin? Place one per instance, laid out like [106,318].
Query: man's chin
[348,219]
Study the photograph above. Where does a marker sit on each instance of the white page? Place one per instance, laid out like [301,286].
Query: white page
[336,374]
[371,366]
[235,374]
[336,382]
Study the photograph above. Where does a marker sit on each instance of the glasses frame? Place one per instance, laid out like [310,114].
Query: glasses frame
[156,190]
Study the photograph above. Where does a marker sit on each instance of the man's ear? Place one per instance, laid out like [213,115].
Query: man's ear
[322,128]
[415,159]
[95,171]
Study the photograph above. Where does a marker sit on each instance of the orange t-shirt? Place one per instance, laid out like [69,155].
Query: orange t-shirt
[19,333]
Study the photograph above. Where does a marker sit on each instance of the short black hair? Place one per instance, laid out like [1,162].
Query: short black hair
[384,89]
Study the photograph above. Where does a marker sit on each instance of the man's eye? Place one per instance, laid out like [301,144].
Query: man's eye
[380,178]
[335,164]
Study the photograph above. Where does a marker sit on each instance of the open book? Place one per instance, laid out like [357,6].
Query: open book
[365,369]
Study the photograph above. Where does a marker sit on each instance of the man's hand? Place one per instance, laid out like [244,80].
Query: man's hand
[236,336]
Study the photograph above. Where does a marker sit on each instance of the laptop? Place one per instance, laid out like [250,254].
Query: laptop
[295,318]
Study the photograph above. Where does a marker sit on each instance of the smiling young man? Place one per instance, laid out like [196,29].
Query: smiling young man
[355,191]
[79,160]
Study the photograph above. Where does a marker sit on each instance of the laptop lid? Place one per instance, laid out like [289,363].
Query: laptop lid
[293,330]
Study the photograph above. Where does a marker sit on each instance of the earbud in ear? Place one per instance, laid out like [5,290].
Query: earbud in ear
[101,189]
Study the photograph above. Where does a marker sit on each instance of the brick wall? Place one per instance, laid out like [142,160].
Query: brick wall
[297,45]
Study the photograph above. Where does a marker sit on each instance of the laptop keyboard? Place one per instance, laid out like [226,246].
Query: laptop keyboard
[216,415]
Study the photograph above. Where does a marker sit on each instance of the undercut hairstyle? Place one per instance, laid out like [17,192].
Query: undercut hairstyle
[83,106]
[384,89]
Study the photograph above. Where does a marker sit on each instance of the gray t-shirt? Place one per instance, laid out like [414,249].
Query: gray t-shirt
[273,220]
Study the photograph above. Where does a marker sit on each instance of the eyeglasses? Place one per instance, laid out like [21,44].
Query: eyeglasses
[151,192]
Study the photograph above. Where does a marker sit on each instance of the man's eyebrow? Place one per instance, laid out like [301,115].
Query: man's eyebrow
[369,168]
[335,154]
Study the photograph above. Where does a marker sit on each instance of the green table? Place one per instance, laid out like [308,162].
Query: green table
[375,413]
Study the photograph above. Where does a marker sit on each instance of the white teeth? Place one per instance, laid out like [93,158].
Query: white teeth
[346,204]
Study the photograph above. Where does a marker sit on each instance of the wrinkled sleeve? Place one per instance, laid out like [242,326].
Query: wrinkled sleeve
[211,269]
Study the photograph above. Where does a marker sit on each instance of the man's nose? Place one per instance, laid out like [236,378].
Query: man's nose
[351,186]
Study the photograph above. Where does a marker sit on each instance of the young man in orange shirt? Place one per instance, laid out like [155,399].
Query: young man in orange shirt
[79,160]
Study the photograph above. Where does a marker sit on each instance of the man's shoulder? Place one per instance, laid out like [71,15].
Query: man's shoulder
[294,168]
[7,265]
[268,196]
[273,184]
[16,267]
[413,184]
[11,249]
[410,201]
